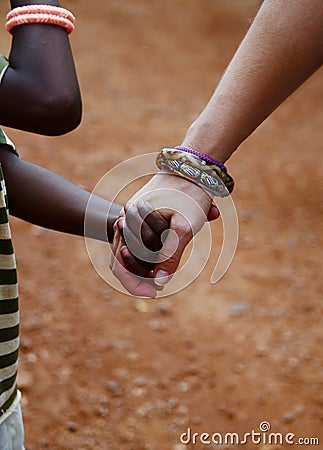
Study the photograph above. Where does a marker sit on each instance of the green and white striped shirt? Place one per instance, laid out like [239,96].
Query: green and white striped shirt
[9,310]
[4,63]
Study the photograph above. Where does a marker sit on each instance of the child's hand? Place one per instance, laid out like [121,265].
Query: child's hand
[134,268]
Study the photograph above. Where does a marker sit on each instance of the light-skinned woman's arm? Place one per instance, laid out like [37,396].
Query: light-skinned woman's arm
[282,48]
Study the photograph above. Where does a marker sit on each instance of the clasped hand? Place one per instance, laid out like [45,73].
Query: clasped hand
[153,230]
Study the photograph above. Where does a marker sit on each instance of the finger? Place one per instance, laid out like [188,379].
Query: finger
[131,229]
[139,250]
[141,218]
[173,249]
[213,213]
[112,260]
[137,225]
[154,218]
[154,228]
[135,285]
[115,249]
[122,213]
[150,239]
[136,266]
[120,223]
[132,241]
[116,239]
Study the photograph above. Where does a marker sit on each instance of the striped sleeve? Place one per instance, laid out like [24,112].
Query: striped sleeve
[4,64]
[9,309]
[4,140]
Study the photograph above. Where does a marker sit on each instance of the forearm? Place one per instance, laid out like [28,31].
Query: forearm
[17,3]
[39,91]
[283,47]
[44,198]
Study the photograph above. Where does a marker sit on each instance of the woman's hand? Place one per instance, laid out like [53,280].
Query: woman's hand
[184,206]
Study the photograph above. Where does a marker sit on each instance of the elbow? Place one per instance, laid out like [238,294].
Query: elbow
[65,117]
[50,112]
[60,114]
[43,111]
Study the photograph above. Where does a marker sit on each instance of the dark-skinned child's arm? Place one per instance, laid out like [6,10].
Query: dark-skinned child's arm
[39,91]
[44,198]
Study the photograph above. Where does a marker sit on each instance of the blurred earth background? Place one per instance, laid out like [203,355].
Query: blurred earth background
[101,370]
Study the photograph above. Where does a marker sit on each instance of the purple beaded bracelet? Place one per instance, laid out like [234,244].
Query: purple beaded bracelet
[206,158]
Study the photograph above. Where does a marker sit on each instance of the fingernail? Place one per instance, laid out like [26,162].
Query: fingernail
[124,251]
[127,206]
[120,223]
[121,213]
[161,278]
[145,203]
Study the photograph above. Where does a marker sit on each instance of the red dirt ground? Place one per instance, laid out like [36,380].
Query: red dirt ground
[100,370]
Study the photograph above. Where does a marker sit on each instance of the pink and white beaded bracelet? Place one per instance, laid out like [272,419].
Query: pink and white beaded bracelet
[53,15]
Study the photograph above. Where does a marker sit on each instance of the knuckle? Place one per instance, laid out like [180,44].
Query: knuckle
[171,260]
[182,227]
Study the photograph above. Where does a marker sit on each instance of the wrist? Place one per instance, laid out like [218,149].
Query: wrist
[196,167]
[203,137]
[114,213]
[100,216]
